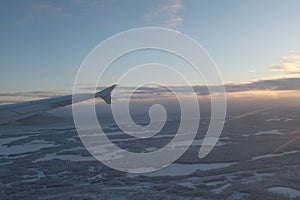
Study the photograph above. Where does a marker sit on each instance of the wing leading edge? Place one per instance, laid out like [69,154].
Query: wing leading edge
[14,113]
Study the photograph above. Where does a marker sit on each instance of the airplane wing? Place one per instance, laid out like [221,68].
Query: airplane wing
[35,110]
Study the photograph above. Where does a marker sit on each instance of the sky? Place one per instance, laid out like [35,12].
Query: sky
[43,43]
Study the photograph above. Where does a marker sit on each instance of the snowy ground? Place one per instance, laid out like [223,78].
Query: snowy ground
[51,163]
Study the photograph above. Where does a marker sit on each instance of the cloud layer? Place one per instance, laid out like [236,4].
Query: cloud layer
[282,84]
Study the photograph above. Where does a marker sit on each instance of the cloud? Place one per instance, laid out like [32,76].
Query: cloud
[282,84]
[34,94]
[293,73]
[288,63]
[15,97]
[266,84]
[8,101]
[148,93]
[166,15]
[271,84]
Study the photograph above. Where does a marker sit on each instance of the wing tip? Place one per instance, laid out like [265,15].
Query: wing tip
[106,94]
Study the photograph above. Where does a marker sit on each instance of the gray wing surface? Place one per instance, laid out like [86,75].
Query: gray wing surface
[10,114]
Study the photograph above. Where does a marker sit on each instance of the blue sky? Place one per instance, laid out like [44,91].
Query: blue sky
[43,43]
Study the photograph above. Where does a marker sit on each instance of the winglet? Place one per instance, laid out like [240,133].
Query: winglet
[106,94]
